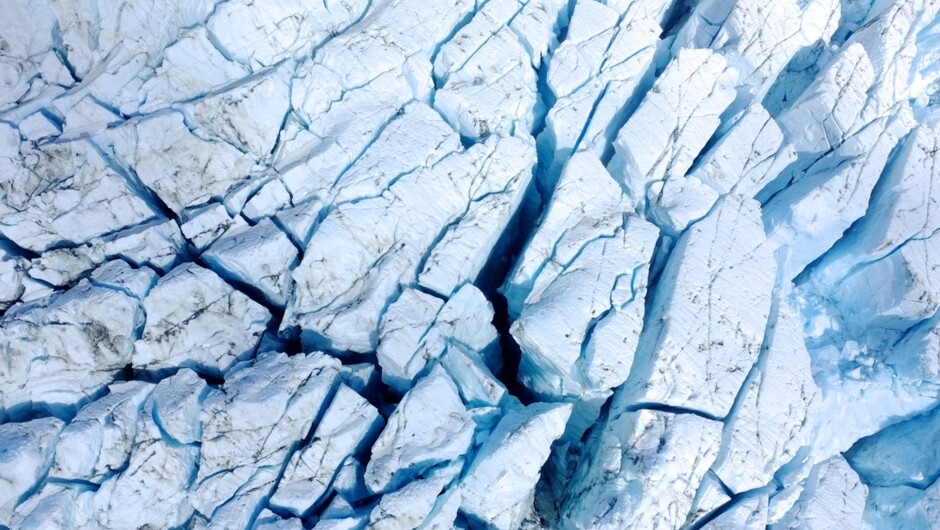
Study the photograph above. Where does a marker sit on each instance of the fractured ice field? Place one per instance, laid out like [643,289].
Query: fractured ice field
[470,264]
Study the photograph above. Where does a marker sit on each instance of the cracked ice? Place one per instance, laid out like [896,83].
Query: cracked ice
[472,264]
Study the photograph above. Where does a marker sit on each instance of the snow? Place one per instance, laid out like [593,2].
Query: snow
[496,264]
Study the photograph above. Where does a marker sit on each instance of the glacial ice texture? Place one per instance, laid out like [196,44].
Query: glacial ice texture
[470,264]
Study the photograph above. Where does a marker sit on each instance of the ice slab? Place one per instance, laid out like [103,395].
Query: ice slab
[643,471]
[261,256]
[26,452]
[195,319]
[708,313]
[348,425]
[429,426]
[509,462]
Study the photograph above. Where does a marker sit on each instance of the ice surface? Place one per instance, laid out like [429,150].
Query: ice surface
[709,314]
[833,493]
[509,463]
[64,349]
[348,425]
[495,264]
[430,426]
[251,426]
[674,120]
[645,471]
[99,440]
[776,410]
[260,256]
[211,329]
[26,451]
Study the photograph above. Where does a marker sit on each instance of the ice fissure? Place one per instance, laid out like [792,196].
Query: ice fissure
[497,264]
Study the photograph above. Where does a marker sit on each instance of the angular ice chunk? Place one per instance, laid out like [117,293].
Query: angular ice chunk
[339,298]
[760,37]
[417,328]
[176,403]
[26,451]
[429,426]
[748,156]
[205,224]
[12,269]
[251,426]
[904,454]
[247,116]
[190,67]
[99,440]
[410,505]
[62,193]
[66,348]
[595,74]
[195,319]
[418,138]
[708,313]
[348,424]
[841,184]
[829,110]
[181,168]
[674,121]
[776,411]
[261,256]
[833,497]
[643,471]
[587,204]
[489,83]
[117,274]
[677,202]
[508,462]
[578,333]
[153,489]
[56,507]
[270,198]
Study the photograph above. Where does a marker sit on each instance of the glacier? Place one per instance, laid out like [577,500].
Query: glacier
[470,264]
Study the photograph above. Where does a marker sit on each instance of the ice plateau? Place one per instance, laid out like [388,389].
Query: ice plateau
[470,264]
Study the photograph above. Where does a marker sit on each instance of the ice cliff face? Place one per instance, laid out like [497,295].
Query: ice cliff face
[478,264]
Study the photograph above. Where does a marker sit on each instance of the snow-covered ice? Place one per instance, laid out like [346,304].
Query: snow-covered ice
[470,264]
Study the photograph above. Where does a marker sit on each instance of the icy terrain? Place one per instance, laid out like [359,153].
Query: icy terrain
[476,264]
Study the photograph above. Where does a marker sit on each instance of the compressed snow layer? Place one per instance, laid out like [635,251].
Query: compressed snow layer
[497,264]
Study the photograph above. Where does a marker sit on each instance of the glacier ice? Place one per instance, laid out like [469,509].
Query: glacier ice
[495,264]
